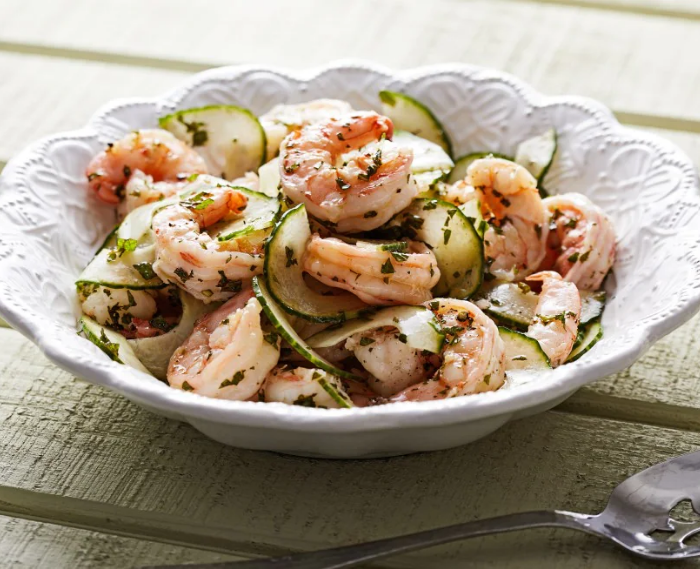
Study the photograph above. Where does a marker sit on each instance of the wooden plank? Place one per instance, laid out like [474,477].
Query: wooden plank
[80,455]
[25,543]
[559,48]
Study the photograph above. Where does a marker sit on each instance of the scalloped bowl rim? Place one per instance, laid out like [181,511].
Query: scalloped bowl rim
[560,383]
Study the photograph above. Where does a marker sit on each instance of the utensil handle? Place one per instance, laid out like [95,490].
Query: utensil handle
[352,555]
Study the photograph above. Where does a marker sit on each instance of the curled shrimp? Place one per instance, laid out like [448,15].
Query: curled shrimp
[398,273]
[392,363]
[348,172]
[117,308]
[581,243]
[279,121]
[510,202]
[557,316]
[227,355]
[473,355]
[305,387]
[156,153]
[187,256]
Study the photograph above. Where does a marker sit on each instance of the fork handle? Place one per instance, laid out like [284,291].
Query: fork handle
[352,555]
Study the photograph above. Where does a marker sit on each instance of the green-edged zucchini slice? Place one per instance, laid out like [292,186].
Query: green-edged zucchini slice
[472,211]
[154,353]
[260,214]
[523,352]
[592,305]
[417,324]
[588,337]
[408,114]
[111,343]
[230,139]
[269,175]
[536,154]
[450,235]
[285,278]
[431,163]
[459,171]
[279,320]
[510,304]
[120,267]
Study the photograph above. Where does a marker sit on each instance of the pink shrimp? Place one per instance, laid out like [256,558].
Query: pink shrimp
[347,171]
[156,153]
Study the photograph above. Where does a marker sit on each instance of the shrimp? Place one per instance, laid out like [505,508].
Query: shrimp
[227,355]
[396,273]
[515,239]
[208,269]
[279,121]
[305,387]
[117,308]
[473,356]
[581,243]
[157,153]
[394,364]
[557,316]
[347,171]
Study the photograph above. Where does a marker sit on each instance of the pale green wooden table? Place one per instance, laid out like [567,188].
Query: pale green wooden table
[88,479]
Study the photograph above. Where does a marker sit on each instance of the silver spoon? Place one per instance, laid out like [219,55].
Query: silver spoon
[637,509]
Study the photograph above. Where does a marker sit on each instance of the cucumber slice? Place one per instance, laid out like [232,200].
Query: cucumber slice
[113,344]
[417,323]
[126,271]
[431,163]
[589,336]
[154,353]
[260,214]
[269,175]
[230,139]
[510,304]
[523,352]
[459,172]
[110,240]
[536,154]
[309,388]
[408,114]
[449,234]
[281,323]
[285,277]
[472,211]
[592,305]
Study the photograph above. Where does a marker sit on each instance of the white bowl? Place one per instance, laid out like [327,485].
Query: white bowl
[50,226]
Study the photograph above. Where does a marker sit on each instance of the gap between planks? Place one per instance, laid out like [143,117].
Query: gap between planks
[648,120]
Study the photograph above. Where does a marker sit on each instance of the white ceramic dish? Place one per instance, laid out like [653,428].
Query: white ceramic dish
[50,226]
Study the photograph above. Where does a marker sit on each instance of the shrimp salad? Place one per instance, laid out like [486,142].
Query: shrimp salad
[332,257]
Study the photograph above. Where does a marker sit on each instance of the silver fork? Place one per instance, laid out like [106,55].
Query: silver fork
[638,509]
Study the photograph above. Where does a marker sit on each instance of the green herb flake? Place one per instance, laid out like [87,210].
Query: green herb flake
[573,258]
[235,380]
[183,275]
[305,401]
[342,184]
[364,341]
[446,235]
[186,386]
[228,285]
[289,254]
[145,270]
[109,348]
[387,268]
